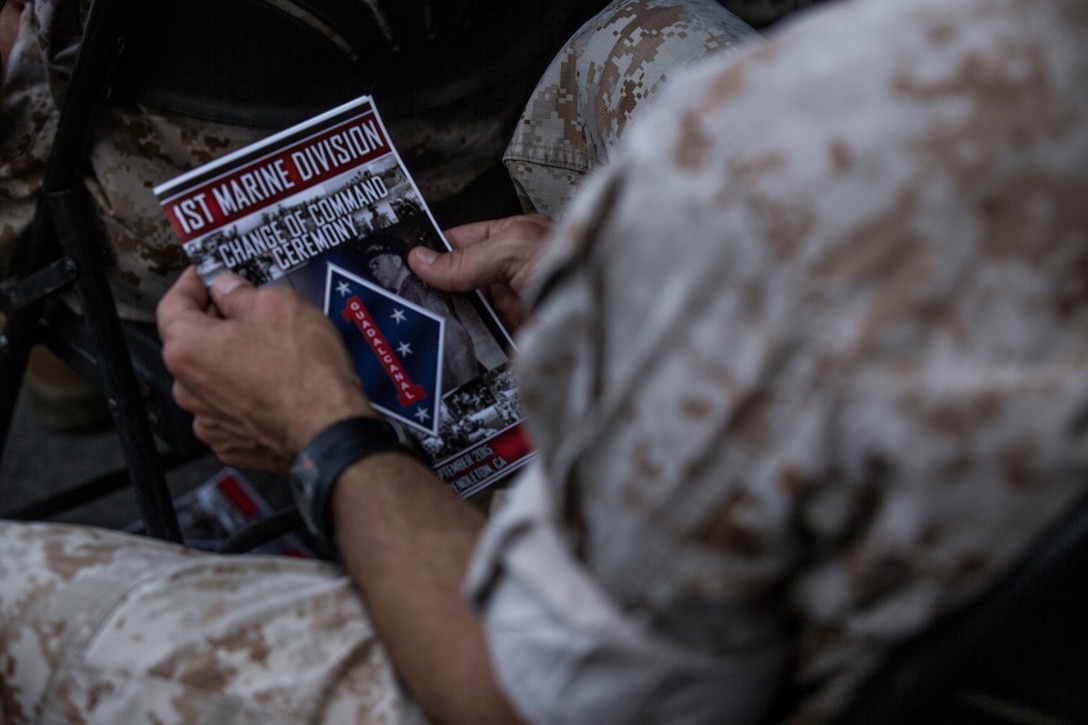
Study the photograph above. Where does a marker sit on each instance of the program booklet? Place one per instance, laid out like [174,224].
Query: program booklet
[327,208]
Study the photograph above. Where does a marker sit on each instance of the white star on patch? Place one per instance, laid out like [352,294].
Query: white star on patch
[422,414]
[343,288]
[404,349]
[398,315]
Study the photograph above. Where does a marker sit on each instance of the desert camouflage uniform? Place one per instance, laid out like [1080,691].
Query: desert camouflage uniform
[608,69]
[812,355]
[812,351]
[102,628]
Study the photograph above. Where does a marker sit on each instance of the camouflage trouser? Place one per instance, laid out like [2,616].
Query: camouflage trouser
[104,627]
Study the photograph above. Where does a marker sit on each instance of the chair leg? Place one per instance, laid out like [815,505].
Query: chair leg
[64,214]
[76,231]
[16,340]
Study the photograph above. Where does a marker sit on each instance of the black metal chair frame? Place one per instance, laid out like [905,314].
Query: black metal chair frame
[1017,652]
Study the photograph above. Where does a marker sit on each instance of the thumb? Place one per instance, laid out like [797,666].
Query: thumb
[232,295]
[461,270]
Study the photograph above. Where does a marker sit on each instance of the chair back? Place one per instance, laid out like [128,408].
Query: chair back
[1017,653]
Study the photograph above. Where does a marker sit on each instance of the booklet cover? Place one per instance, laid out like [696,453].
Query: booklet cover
[327,208]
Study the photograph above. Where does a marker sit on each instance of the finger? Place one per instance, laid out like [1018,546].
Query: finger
[187,400]
[222,437]
[186,296]
[462,269]
[493,252]
[233,296]
[225,426]
[467,235]
[211,431]
[193,403]
[238,451]
[185,321]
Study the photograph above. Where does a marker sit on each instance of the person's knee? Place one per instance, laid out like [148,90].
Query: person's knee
[59,562]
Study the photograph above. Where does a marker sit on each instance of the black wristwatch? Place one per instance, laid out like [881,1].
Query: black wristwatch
[314,473]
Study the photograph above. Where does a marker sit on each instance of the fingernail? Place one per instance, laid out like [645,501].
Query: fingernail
[426,254]
[224,284]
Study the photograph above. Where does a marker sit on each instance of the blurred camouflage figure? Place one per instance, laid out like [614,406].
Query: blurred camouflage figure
[832,367]
[446,150]
[810,351]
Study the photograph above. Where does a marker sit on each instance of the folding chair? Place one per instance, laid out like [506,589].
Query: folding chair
[266,63]
[1018,653]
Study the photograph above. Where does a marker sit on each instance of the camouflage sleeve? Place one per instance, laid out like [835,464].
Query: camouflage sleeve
[607,70]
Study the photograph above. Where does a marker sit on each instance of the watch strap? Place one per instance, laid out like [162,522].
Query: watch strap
[318,466]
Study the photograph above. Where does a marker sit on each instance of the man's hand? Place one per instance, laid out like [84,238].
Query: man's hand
[262,376]
[496,256]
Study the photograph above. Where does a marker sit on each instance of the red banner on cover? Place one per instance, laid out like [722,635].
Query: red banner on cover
[271,179]
[407,392]
[485,461]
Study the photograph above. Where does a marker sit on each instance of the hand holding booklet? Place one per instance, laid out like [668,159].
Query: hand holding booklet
[327,208]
